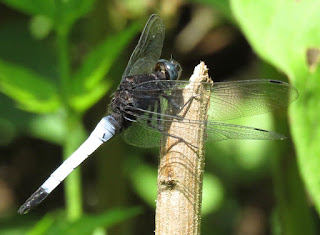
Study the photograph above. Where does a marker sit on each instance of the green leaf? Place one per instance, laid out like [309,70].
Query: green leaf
[15,122]
[43,225]
[17,46]
[49,127]
[85,99]
[33,7]
[40,26]
[55,223]
[63,13]
[87,86]
[32,92]
[67,12]
[139,170]
[277,33]
[87,224]
[212,194]
[284,33]
[223,6]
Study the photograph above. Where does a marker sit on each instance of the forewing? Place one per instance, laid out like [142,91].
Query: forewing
[148,50]
[231,100]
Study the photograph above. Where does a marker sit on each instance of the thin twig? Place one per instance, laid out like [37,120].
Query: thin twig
[181,167]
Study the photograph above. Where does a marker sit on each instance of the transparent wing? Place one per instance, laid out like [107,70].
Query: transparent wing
[229,100]
[141,135]
[149,126]
[232,100]
[147,131]
[148,50]
[244,98]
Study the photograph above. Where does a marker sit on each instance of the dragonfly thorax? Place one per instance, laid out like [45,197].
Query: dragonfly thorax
[133,95]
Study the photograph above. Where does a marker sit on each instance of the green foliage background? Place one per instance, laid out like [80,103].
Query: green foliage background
[59,59]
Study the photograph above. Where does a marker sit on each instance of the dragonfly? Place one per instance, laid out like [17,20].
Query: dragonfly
[149,86]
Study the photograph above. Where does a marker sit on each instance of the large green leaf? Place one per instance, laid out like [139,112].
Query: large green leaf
[31,91]
[284,33]
[88,86]
[280,31]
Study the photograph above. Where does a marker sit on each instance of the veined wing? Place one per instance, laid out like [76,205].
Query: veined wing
[232,100]
[147,131]
[229,100]
[148,49]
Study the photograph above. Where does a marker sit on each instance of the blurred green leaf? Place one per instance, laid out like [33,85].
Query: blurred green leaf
[62,13]
[148,190]
[277,34]
[212,194]
[212,188]
[252,155]
[17,46]
[7,133]
[88,224]
[244,160]
[43,225]
[40,26]
[284,33]
[33,7]
[83,101]
[67,12]
[136,7]
[222,6]
[31,91]
[56,223]
[15,122]
[14,224]
[87,85]
[48,127]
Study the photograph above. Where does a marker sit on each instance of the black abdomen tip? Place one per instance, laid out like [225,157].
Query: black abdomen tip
[35,199]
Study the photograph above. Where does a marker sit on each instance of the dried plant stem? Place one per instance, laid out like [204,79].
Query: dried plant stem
[181,167]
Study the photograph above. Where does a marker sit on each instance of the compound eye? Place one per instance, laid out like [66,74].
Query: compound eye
[171,69]
[175,69]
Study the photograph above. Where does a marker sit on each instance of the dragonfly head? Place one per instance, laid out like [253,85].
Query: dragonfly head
[171,68]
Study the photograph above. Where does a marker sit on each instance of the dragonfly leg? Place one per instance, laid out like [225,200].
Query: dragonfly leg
[151,107]
[159,113]
[159,127]
[175,104]
[150,116]
[180,139]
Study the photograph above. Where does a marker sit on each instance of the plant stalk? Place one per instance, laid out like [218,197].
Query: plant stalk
[180,173]
[73,191]
[64,63]
[73,127]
